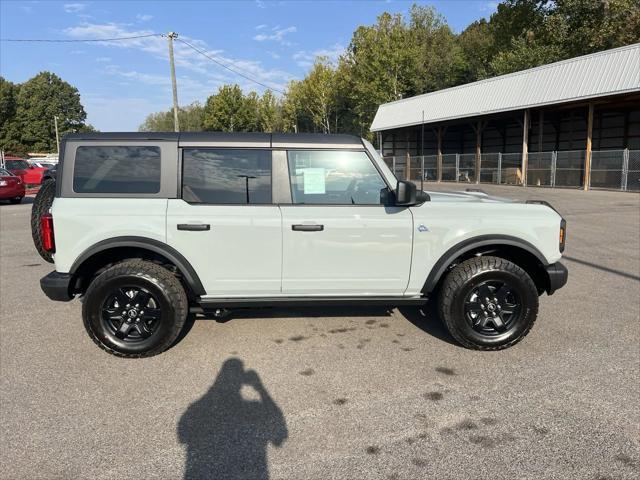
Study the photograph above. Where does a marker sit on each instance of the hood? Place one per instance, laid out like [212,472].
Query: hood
[468,196]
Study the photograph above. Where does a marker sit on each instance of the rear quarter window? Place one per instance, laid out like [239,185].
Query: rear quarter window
[117,169]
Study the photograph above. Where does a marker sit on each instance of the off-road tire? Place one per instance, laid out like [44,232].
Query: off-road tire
[161,283]
[41,205]
[468,275]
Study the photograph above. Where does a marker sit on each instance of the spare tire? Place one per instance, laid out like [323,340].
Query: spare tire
[41,205]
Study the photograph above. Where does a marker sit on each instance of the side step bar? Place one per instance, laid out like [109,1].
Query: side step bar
[215,303]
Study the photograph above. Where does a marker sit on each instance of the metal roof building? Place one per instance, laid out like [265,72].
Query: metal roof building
[583,104]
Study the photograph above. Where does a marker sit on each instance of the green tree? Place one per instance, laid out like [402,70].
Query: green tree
[440,58]
[8,104]
[593,25]
[269,113]
[227,111]
[190,118]
[318,91]
[477,44]
[40,99]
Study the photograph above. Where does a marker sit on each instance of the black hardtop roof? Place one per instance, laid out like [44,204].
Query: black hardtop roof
[228,138]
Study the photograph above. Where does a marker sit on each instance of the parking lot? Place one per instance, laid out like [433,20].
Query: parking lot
[336,393]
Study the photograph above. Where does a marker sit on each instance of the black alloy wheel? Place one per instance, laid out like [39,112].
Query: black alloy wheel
[488,303]
[492,307]
[131,313]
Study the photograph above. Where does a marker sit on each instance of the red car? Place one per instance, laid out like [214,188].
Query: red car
[11,187]
[28,173]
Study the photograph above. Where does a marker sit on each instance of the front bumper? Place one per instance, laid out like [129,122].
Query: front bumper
[558,275]
[56,286]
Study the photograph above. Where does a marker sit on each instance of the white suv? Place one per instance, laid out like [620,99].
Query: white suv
[152,226]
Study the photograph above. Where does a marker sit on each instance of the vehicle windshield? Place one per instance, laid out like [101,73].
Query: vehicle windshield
[16,164]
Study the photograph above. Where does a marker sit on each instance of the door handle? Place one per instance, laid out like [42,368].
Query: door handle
[307,228]
[194,227]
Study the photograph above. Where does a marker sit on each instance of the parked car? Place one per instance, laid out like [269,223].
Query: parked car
[11,187]
[241,220]
[29,174]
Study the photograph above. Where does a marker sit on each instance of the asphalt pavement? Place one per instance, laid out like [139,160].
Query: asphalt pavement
[335,393]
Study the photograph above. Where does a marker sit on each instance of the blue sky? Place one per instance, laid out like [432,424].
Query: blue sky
[121,82]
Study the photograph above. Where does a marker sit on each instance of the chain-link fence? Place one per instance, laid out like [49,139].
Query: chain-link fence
[610,169]
[511,169]
[632,173]
[569,171]
[541,169]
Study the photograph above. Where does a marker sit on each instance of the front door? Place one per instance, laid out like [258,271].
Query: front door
[339,237]
[225,223]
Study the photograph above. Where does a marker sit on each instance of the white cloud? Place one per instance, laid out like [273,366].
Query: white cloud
[74,7]
[273,54]
[144,17]
[186,58]
[277,35]
[261,26]
[103,59]
[260,4]
[306,58]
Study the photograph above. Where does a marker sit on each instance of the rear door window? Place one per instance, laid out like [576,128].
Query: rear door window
[226,176]
[117,169]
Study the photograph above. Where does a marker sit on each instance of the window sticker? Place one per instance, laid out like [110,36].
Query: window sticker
[314,181]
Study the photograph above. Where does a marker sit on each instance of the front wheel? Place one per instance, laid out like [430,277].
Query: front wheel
[488,303]
[135,309]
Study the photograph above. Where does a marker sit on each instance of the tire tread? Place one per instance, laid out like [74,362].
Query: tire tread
[461,274]
[174,290]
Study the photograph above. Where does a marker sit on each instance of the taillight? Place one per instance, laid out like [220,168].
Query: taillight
[563,234]
[46,233]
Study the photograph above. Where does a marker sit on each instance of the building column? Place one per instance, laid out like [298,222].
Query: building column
[439,166]
[525,146]
[479,129]
[587,157]
[540,129]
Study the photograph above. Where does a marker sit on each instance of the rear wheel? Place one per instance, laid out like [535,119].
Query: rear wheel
[135,309]
[488,303]
[41,205]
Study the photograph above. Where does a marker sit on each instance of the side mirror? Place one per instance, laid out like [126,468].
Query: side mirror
[407,194]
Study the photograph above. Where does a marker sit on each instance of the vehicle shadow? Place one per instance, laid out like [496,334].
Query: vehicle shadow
[425,318]
[428,320]
[226,435]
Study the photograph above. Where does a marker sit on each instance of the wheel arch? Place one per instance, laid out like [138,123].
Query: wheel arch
[514,249]
[120,248]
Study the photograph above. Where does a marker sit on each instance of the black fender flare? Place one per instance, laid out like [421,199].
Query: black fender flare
[465,246]
[188,272]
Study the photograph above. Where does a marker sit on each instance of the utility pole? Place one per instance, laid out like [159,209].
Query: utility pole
[176,124]
[55,122]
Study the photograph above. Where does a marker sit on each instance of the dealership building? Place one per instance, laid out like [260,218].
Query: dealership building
[574,123]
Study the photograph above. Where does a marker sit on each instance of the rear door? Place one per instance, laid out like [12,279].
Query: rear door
[339,237]
[225,223]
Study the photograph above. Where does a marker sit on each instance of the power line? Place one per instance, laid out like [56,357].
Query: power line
[218,62]
[41,40]
[237,70]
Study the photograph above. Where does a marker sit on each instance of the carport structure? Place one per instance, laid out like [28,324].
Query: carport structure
[574,123]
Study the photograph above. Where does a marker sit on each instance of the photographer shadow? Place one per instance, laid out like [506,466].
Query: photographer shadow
[226,435]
